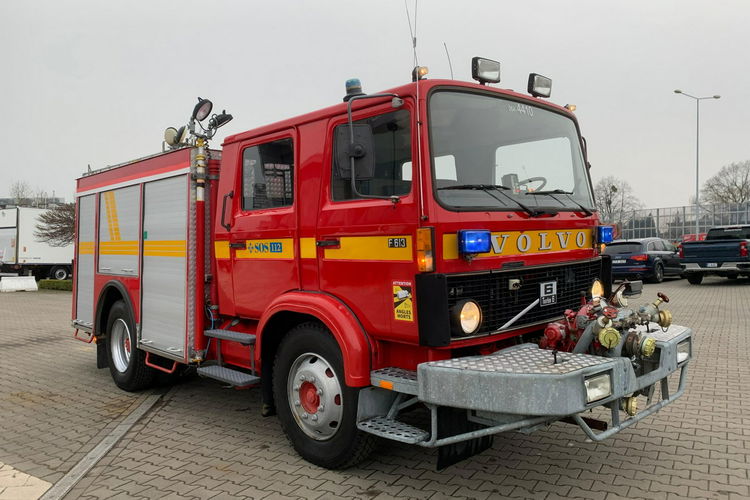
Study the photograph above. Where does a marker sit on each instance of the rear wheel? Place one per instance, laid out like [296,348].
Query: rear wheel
[59,273]
[658,273]
[127,364]
[317,410]
[695,279]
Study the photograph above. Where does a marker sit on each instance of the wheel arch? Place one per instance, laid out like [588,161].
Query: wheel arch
[111,292]
[294,308]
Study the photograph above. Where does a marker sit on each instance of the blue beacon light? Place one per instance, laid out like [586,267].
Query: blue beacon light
[473,241]
[605,234]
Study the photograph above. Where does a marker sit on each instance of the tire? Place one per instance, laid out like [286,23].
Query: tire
[694,279]
[308,378]
[127,364]
[59,273]
[658,276]
[733,276]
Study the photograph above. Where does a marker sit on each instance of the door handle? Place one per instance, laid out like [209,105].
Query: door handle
[230,194]
[328,243]
[239,246]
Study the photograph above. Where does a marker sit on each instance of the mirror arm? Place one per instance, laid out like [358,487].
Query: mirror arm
[394,199]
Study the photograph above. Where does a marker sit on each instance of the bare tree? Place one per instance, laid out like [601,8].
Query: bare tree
[21,193]
[730,185]
[615,200]
[57,226]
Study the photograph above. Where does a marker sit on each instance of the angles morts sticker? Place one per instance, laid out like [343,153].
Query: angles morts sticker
[403,304]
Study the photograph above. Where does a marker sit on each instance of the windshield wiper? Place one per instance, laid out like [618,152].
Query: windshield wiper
[552,192]
[488,188]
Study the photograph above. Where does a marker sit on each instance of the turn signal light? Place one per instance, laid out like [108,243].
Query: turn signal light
[425,254]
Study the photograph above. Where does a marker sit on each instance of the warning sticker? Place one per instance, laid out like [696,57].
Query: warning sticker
[403,306]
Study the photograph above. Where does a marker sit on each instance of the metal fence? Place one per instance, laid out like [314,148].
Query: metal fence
[674,223]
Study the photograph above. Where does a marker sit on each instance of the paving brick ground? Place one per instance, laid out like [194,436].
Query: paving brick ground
[203,441]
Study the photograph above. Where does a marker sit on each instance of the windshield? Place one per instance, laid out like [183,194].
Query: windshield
[478,139]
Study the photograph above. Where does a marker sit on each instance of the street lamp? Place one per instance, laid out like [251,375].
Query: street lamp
[697,146]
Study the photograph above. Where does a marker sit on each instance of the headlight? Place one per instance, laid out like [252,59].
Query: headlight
[598,387]
[466,316]
[683,351]
[597,289]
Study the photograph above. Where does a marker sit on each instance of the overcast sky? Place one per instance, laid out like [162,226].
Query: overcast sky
[95,82]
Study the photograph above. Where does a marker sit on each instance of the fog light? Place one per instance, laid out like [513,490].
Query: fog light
[683,351]
[467,317]
[598,387]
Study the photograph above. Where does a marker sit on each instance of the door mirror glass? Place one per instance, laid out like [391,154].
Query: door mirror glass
[361,150]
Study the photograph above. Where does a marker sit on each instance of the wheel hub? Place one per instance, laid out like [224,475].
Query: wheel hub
[309,399]
[315,396]
[119,344]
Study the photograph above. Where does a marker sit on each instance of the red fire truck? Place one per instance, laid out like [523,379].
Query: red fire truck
[434,246]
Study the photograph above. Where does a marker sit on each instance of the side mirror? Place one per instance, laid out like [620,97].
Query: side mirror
[361,151]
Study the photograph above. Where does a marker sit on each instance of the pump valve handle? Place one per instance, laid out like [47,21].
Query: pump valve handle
[663,297]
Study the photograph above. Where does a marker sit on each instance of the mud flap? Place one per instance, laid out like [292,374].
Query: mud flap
[101,355]
[453,421]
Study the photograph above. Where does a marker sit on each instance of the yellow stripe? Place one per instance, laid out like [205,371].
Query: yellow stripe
[221,249]
[372,248]
[113,223]
[118,248]
[526,242]
[281,248]
[85,248]
[164,248]
[307,248]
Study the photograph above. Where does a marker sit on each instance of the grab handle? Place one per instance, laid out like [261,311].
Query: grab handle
[230,194]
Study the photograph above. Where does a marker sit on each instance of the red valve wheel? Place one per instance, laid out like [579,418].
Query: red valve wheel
[662,297]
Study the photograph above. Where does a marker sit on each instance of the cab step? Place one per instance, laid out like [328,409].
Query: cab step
[394,430]
[228,376]
[395,379]
[239,337]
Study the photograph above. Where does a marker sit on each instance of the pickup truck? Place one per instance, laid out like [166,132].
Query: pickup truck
[723,253]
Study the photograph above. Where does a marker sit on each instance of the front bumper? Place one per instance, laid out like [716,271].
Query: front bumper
[522,387]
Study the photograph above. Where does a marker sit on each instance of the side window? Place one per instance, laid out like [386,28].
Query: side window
[392,151]
[651,246]
[268,175]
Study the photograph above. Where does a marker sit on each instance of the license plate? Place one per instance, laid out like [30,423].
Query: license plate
[548,293]
[712,264]
[618,261]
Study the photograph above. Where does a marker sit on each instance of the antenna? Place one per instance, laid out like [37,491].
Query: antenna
[412,32]
[449,58]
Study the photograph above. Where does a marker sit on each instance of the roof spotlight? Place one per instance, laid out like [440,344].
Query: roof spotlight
[202,109]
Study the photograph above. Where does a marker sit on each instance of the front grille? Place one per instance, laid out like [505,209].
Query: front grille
[500,304]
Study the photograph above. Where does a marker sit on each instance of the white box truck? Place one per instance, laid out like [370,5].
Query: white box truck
[22,253]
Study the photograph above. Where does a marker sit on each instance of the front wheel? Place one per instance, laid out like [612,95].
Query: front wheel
[317,410]
[694,279]
[127,364]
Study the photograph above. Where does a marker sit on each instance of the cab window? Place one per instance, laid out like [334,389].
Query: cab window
[392,152]
[268,175]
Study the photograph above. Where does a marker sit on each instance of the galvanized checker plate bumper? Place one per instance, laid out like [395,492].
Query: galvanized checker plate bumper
[525,380]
